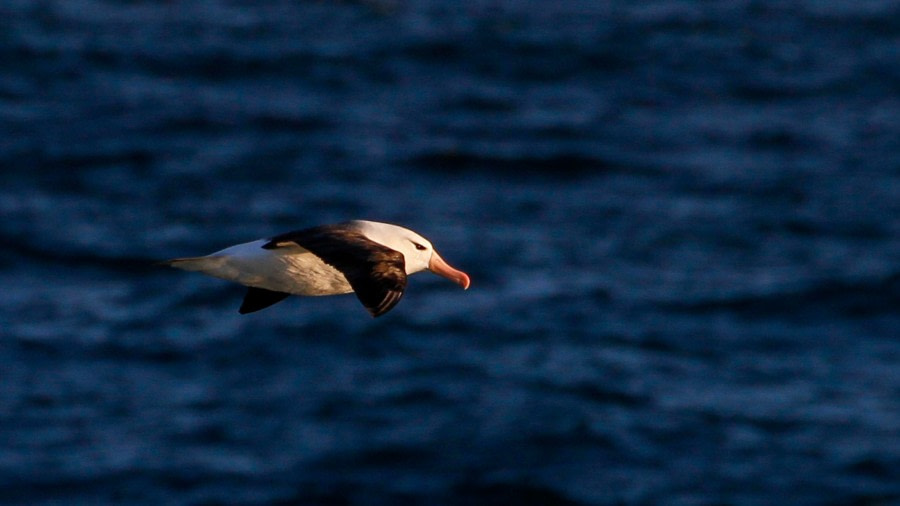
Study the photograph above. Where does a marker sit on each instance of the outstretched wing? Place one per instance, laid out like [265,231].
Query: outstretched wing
[375,272]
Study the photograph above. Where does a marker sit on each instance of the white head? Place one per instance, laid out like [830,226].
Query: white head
[418,252]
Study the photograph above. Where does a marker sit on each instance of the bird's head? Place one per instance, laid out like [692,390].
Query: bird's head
[418,252]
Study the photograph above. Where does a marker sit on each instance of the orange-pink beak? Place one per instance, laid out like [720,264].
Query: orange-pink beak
[438,266]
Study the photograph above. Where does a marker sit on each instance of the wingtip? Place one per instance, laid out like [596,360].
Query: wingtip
[390,300]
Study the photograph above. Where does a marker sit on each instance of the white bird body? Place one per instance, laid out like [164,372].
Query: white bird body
[370,258]
[292,269]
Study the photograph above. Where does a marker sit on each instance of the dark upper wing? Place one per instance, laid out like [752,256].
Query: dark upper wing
[375,272]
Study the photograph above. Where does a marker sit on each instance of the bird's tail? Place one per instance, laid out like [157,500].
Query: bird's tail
[201,264]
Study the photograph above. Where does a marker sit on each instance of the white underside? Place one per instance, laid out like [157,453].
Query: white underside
[289,269]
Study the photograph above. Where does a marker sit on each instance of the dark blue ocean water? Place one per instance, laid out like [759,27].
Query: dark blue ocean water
[681,220]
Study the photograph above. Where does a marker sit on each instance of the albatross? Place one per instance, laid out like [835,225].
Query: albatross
[368,258]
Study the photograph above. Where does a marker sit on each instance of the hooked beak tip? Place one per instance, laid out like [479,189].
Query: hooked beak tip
[438,266]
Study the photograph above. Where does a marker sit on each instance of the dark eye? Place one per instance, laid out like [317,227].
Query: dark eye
[419,246]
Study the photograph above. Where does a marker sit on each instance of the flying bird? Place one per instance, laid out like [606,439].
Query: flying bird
[368,258]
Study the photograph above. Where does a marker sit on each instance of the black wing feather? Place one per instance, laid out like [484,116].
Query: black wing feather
[375,272]
[260,298]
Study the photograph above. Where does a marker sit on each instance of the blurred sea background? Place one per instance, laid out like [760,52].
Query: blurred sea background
[681,220]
